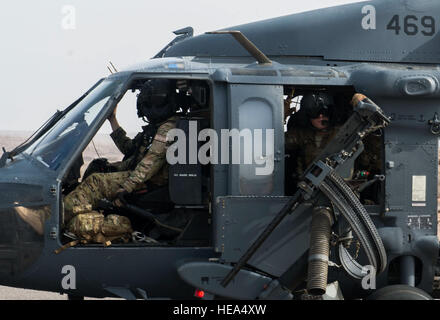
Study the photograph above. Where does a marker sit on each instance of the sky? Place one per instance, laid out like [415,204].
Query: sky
[52,51]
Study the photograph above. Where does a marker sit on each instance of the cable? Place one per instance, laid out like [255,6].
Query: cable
[363,215]
[93,142]
[332,193]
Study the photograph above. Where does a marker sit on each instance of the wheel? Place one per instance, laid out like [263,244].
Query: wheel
[399,292]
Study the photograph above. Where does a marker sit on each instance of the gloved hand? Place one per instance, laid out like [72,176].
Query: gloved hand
[357,98]
[119,200]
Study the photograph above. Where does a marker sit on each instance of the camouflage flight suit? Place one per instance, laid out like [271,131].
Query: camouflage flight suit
[152,167]
[132,149]
[305,144]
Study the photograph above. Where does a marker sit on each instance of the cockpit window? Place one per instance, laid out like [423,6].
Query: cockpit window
[60,140]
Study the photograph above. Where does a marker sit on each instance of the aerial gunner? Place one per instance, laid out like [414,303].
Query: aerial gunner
[304,141]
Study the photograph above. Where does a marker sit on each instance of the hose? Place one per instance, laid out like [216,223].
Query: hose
[319,251]
[358,228]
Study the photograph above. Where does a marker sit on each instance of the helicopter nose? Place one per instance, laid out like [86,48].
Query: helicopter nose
[21,228]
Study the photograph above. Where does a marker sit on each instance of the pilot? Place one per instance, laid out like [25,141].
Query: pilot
[142,165]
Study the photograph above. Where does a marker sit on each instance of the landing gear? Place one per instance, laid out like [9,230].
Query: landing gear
[400,292]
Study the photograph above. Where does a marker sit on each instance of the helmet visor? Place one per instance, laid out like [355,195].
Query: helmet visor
[318,108]
[158,99]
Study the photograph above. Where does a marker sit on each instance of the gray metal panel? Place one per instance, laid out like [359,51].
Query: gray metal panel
[270,96]
[220,121]
[337,33]
[411,152]
[240,220]
[411,186]
[98,268]
[409,161]
[398,81]
[208,277]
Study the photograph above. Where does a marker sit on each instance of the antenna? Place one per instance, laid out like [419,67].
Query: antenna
[113,66]
[247,44]
[181,34]
[114,69]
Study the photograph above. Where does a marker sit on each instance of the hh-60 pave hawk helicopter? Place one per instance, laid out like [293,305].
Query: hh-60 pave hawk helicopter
[249,236]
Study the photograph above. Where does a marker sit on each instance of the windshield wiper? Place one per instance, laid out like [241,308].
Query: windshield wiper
[43,129]
[35,136]
[4,158]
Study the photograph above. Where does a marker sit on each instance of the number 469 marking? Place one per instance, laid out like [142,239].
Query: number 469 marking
[411,25]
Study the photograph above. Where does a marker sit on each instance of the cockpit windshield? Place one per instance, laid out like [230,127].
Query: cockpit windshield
[51,148]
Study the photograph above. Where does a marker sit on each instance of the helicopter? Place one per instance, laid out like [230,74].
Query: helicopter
[247,236]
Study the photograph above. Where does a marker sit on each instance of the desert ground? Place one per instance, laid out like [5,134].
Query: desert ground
[7,293]
[102,146]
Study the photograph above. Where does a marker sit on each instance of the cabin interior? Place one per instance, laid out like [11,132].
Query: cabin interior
[180,213]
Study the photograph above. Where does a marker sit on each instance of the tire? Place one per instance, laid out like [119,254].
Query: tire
[399,292]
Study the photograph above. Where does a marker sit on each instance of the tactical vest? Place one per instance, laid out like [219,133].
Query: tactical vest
[140,147]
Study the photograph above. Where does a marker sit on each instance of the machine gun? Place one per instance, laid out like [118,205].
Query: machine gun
[322,176]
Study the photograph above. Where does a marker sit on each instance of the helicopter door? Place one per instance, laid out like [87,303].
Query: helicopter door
[254,200]
[257,164]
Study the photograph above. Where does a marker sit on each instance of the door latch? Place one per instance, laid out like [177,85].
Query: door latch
[54,233]
[53,190]
[435,124]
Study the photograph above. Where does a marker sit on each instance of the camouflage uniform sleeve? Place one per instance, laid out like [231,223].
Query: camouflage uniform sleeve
[153,161]
[122,142]
[291,141]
